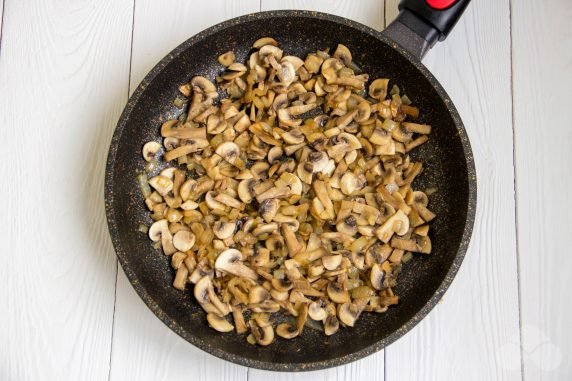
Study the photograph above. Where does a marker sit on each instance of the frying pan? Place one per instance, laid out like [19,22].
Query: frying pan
[448,161]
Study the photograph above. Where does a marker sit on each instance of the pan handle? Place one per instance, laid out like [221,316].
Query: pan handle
[421,23]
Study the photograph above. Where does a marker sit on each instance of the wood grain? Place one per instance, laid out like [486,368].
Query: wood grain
[63,82]
[143,347]
[1,21]
[370,13]
[542,76]
[391,10]
[463,338]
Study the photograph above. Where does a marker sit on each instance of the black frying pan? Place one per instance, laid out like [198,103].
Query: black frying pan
[395,54]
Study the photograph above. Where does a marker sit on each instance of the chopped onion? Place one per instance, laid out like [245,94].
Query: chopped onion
[406,257]
[394,90]
[179,103]
[405,100]
[144,185]
[143,228]
[314,325]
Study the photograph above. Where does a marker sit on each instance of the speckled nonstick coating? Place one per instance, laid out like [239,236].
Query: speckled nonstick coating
[448,164]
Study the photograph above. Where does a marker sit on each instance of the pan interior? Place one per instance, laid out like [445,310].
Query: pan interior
[445,169]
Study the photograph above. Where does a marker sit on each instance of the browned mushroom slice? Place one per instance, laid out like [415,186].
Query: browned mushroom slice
[230,261]
[331,325]
[286,331]
[263,336]
[219,323]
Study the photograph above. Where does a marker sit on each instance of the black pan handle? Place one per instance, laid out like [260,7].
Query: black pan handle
[421,23]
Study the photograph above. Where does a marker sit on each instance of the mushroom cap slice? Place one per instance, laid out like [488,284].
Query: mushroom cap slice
[258,294]
[226,59]
[282,284]
[319,161]
[286,331]
[293,137]
[331,325]
[246,190]
[337,294]
[201,290]
[183,240]
[150,150]
[378,88]
[219,323]
[376,276]
[264,41]
[230,152]
[349,183]
[317,312]
[269,208]
[230,261]
[332,262]
[202,85]
[157,228]
[348,226]
[344,54]
[348,313]
[263,336]
[161,184]
[398,223]
[224,230]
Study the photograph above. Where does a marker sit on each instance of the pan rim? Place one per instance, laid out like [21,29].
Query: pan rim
[255,363]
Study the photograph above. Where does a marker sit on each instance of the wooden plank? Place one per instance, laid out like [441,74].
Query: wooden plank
[63,82]
[370,13]
[391,10]
[464,337]
[1,21]
[143,347]
[542,77]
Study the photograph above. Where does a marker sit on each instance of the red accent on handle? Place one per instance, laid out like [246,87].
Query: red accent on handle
[440,4]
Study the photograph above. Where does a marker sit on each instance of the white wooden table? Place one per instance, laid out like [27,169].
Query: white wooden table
[67,312]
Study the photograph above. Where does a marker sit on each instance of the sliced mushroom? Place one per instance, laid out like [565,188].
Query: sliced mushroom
[183,240]
[350,183]
[398,223]
[239,322]
[269,208]
[226,59]
[224,230]
[274,192]
[282,284]
[161,184]
[286,331]
[331,325]
[246,190]
[219,323]
[275,154]
[230,152]
[263,336]
[202,85]
[316,311]
[347,226]
[150,150]
[305,172]
[292,243]
[343,53]
[332,262]
[264,41]
[230,261]
[377,276]
[257,295]
[378,88]
[348,313]
[337,294]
